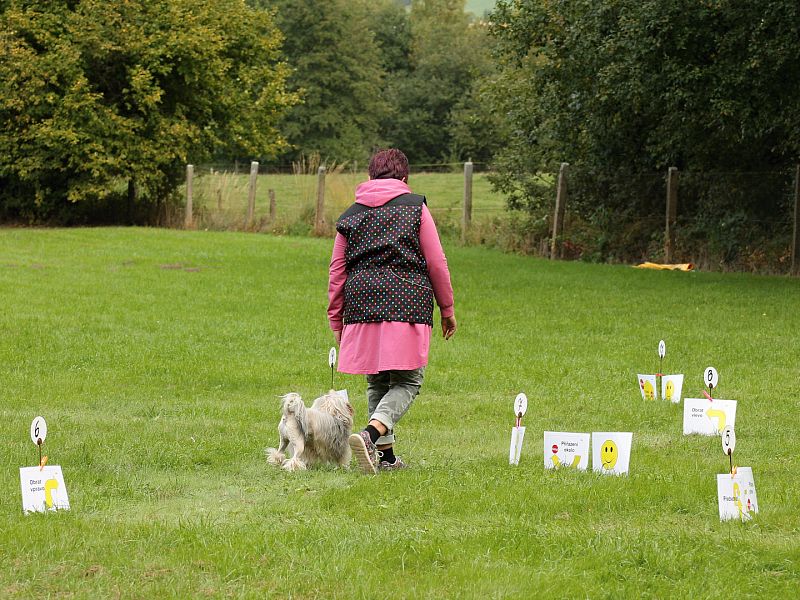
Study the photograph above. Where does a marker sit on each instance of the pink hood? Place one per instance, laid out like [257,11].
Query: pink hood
[377,192]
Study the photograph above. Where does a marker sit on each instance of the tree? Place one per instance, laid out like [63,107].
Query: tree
[621,89]
[645,85]
[94,94]
[337,69]
[448,54]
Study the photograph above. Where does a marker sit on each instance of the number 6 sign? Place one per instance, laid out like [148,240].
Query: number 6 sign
[38,431]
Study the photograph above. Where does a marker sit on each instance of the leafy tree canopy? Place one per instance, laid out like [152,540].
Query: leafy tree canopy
[338,71]
[93,93]
[639,86]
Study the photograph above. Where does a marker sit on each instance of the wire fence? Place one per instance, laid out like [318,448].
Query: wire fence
[716,220]
[278,200]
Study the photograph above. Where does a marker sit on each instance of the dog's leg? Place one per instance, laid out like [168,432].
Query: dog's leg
[277,456]
[298,441]
[344,459]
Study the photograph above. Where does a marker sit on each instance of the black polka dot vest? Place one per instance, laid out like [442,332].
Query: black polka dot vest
[387,276]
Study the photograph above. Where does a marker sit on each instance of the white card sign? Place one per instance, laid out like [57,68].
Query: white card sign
[517,435]
[737,495]
[708,417]
[671,388]
[662,349]
[569,450]
[611,452]
[647,386]
[43,489]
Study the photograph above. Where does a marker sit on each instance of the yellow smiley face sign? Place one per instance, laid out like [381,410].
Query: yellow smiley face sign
[609,455]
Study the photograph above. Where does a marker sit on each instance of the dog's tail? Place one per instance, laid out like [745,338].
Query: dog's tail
[293,407]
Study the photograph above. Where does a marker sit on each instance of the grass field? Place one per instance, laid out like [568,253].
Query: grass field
[220,198]
[157,357]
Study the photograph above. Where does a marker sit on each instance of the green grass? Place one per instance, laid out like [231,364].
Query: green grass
[157,357]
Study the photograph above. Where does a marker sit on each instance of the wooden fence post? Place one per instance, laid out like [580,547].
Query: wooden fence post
[672,213]
[467,218]
[558,216]
[251,196]
[319,216]
[796,232]
[272,208]
[187,222]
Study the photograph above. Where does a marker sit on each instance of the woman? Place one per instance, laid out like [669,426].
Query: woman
[387,268]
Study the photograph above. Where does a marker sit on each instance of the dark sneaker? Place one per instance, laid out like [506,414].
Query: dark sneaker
[397,464]
[365,452]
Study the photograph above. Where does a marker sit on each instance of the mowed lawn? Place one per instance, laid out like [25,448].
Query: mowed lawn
[157,358]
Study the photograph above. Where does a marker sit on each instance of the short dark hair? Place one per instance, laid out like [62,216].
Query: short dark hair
[388,164]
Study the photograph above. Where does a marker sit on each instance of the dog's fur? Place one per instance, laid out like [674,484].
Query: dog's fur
[313,435]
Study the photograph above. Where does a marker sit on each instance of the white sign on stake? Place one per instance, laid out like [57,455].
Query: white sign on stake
[518,431]
[43,489]
[671,388]
[708,417]
[520,405]
[517,435]
[662,349]
[38,430]
[710,378]
[611,452]
[332,357]
[736,494]
[568,450]
[728,440]
[647,386]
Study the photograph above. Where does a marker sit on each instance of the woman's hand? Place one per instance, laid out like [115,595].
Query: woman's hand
[337,335]
[448,326]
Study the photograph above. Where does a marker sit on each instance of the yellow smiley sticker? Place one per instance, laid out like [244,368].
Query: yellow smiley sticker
[609,455]
[670,389]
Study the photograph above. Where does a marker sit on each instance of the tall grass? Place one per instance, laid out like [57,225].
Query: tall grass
[157,358]
[220,198]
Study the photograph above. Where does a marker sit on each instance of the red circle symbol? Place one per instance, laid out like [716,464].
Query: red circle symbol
[555,448]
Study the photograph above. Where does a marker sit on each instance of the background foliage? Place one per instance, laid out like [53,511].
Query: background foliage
[94,95]
[625,89]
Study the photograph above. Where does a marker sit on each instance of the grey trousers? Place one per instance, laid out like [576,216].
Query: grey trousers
[389,396]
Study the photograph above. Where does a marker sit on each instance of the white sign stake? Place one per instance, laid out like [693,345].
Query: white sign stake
[611,452]
[708,417]
[518,431]
[332,362]
[647,386]
[566,450]
[38,431]
[710,378]
[42,487]
[736,495]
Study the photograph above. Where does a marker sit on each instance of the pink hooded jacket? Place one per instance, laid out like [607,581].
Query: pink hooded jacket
[368,348]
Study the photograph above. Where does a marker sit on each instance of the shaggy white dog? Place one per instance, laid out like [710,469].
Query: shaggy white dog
[313,435]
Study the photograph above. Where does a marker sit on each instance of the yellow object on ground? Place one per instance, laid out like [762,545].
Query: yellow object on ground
[658,266]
